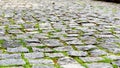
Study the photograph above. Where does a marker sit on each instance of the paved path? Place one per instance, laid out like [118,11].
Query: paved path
[59,34]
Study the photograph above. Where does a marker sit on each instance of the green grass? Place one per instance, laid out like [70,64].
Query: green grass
[27,65]
[80,61]
[22,42]
[30,49]
[12,21]
[56,65]
[2,41]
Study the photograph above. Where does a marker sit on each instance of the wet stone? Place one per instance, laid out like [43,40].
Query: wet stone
[43,66]
[77,53]
[53,55]
[34,55]
[41,61]
[12,62]
[99,65]
[91,59]
[17,49]
[10,56]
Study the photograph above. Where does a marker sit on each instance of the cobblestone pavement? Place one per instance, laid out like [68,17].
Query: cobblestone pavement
[59,34]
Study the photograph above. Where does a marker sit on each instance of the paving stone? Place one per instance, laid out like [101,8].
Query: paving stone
[35,44]
[2,31]
[15,31]
[35,49]
[1,51]
[72,66]
[10,56]
[41,61]
[53,43]
[33,40]
[77,53]
[53,55]
[45,25]
[43,66]
[17,49]
[98,52]
[68,38]
[72,32]
[72,35]
[66,60]
[113,57]
[89,40]
[86,48]
[109,45]
[74,42]
[12,62]
[34,55]
[99,65]
[117,63]
[114,50]
[11,43]
[65,48]
[105,36]
[91,59]
[15,26]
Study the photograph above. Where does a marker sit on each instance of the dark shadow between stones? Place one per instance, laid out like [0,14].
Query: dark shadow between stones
[113,1]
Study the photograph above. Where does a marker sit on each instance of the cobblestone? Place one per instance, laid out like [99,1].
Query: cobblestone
[12,62]
[59,34]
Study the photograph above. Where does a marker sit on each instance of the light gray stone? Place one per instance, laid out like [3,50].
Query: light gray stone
[41,61]
[99,65]
[98,52]
[91,59]
[52,55]
[17,49]
[77,53]
[66,60]
[12,62]
[86,48]
[64,48]
[10,56]
[53,43]
[34,55]
[43,66]
[72,66]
